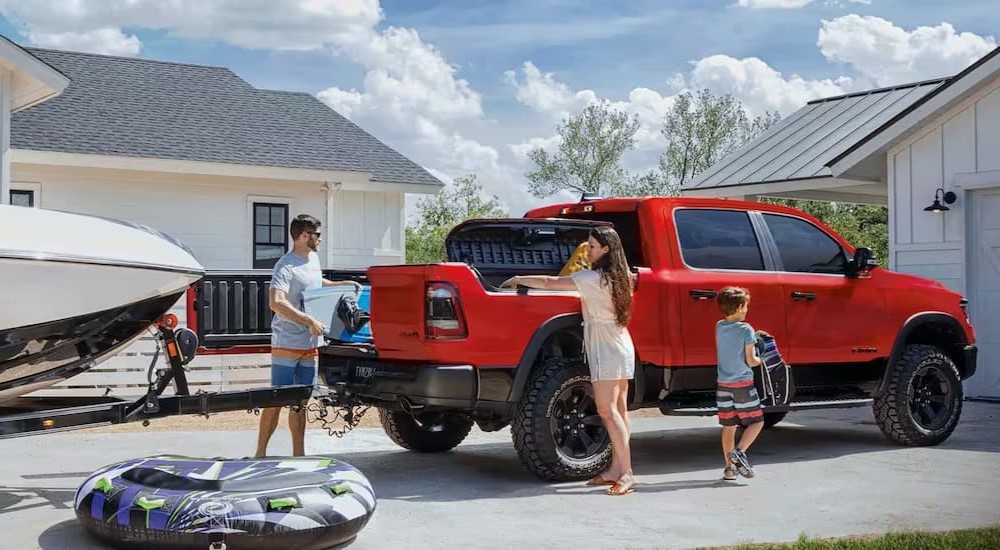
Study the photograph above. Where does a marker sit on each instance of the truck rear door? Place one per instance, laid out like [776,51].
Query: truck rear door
[721,247]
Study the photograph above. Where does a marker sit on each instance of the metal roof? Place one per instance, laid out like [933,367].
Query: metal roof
[132,107]
[803,144]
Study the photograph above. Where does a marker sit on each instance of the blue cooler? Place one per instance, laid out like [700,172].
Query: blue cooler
[329,304]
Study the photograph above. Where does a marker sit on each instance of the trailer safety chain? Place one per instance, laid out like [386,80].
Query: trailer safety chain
[329,414]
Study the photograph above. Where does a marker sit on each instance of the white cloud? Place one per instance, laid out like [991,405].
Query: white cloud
[250,24]
[543,94]
[759,86]
[110,41]
[766,4]
[887,54]
[522,149]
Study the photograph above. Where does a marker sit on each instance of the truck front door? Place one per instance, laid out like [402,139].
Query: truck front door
[832,318]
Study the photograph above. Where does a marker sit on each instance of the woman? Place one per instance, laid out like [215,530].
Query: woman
[606,295]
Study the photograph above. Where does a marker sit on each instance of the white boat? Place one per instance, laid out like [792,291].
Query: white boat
[75,289]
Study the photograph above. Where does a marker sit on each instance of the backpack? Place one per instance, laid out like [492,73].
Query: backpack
[774,377]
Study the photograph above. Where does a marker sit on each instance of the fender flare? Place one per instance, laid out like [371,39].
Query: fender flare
[555,324]
[911,324]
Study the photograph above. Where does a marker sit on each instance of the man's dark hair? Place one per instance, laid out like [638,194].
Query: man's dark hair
[301,224]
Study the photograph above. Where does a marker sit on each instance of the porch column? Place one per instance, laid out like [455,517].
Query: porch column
[5,86]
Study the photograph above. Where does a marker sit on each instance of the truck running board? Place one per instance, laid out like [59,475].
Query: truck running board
[799,406]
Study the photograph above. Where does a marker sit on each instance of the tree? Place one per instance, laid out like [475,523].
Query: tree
[441,212]
[588,159]
[700,130]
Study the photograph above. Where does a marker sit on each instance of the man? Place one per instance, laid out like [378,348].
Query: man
[295,336]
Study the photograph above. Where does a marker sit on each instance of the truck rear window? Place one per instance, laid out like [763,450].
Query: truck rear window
[718,239]
[627,226]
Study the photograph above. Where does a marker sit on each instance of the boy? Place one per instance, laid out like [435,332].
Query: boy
[736,394]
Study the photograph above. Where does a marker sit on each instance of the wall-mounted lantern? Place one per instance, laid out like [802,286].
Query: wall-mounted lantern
[948,197]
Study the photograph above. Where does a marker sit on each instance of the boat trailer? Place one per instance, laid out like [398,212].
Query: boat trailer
[35,415]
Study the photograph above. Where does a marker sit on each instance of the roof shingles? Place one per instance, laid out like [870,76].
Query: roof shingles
[155,109]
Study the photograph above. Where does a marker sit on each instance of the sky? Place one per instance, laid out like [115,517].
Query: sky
[470,86]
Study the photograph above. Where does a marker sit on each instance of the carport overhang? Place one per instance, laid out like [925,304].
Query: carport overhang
[825,188]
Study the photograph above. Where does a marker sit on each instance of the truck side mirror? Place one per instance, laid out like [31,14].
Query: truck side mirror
[864,261]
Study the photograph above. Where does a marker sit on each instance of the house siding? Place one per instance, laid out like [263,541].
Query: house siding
[961,146]
[965,140]
[213,217]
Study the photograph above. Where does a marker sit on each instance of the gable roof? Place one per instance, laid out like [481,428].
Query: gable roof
[802,145]
[155,109]
[34,81]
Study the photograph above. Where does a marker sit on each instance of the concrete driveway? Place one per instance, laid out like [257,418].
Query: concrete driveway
[822,473]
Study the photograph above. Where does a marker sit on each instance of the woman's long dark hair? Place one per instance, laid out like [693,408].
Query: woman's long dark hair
[613,268]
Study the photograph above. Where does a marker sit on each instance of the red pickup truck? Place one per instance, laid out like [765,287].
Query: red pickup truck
[450,349]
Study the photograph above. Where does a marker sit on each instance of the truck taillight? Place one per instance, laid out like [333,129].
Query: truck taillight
[443,315]
[964,304]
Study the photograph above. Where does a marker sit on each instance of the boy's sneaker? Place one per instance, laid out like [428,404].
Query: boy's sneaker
[741,461]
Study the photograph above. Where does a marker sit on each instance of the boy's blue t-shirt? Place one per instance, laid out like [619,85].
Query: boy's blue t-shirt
[731,338]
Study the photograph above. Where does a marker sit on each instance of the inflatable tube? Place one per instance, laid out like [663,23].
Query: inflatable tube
[179,502]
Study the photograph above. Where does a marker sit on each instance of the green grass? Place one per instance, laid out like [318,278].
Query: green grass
[985,538]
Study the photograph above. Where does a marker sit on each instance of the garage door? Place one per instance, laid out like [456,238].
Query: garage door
[985,296]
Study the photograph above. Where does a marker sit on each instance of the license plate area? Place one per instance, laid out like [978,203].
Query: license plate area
[361,373]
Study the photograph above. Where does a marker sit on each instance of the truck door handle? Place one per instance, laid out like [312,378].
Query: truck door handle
[697,294]
[800,296]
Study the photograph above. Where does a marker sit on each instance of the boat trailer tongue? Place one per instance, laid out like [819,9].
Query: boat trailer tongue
[31,416]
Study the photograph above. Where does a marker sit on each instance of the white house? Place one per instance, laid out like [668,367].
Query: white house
[197,152]
[904,147]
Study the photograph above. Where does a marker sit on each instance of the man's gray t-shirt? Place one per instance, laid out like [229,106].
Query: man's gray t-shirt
[731,338]
[295,274]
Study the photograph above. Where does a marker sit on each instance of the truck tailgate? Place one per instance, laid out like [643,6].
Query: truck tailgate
[499,323]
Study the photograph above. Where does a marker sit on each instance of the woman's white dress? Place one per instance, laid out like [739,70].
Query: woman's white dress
[609,348]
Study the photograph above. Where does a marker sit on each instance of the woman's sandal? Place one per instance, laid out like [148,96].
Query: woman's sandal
[599,480]
[619,488]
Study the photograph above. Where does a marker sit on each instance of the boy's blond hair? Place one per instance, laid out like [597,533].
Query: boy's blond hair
[731,298]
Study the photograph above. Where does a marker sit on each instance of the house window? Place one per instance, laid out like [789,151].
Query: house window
[22,197]
[270,230]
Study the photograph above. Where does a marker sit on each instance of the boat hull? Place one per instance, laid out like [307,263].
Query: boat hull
[39,355]
[76,289]
[49,291]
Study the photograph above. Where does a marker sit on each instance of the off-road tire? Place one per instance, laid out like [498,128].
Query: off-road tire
[772,419]
[892,408]
[444,434]
[530,425]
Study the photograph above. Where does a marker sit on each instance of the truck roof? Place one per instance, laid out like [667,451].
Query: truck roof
[630,204]
[626,204]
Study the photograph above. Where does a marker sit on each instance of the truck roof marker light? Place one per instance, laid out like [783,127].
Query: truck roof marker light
[577,209]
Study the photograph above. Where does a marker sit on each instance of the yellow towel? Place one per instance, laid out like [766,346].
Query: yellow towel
[577,262]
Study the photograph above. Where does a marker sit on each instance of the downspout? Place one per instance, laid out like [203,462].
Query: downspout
[331,189]
[6,83]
